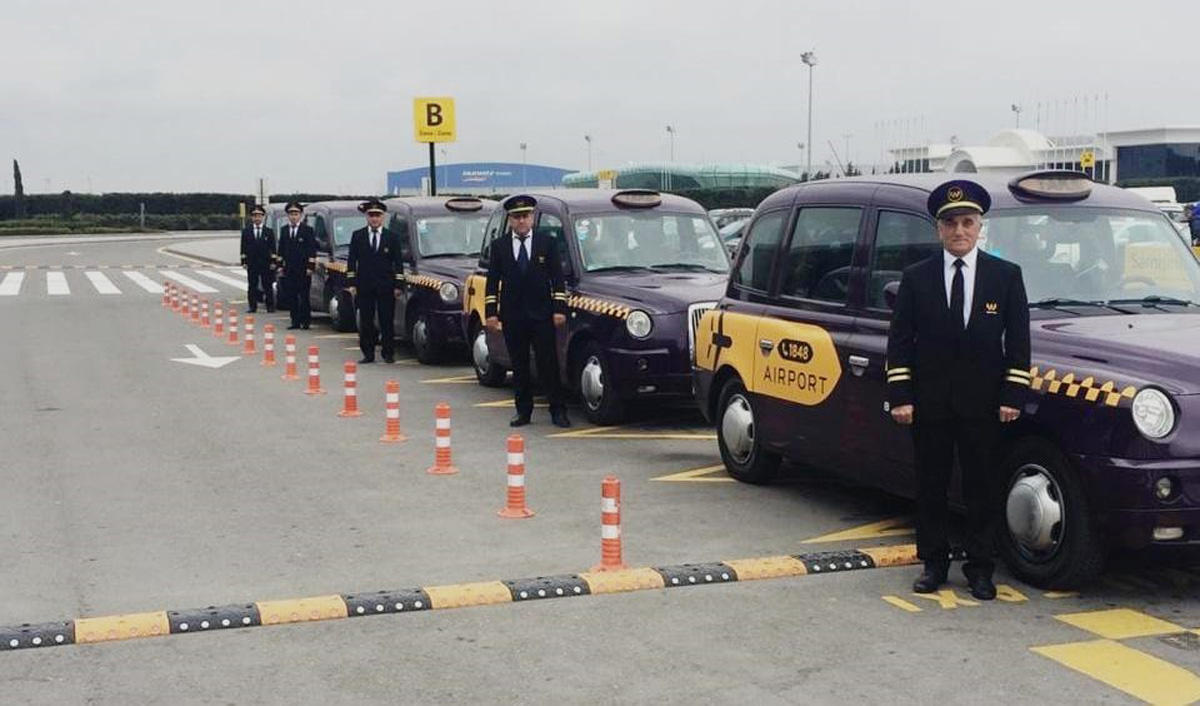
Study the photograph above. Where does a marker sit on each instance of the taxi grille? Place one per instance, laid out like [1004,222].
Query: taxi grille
[695,311]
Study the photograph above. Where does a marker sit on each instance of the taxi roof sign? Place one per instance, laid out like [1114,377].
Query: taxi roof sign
[433,120]
[1057,185]
[637,198]
[464,203]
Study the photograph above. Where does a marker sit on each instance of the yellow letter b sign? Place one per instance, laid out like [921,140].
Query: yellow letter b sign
[433,120]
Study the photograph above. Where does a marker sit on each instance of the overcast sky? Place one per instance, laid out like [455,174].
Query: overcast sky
[317,96]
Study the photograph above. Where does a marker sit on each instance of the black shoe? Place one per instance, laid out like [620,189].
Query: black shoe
[252,311]
[364,361]
[293,327]
[981,586]
[304,326]
[389,358]
[560,419]
[519,420]
[931,578]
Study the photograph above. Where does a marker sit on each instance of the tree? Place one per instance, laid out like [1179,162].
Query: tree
[18,192]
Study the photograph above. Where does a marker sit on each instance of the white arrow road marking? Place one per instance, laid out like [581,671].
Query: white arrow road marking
[205,360]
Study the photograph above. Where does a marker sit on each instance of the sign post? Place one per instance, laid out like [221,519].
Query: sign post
[433,121]
[1087,160]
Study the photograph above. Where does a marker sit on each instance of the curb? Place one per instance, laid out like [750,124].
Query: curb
[352,605]
[201,258]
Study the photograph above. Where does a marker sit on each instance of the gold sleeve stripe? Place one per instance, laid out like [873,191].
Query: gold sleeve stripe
[1019,373]
[1019,381]
[900,378]
[899,370]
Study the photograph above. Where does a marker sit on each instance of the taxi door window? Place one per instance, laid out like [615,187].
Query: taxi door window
[901,239]
[817,263]
[320,232]
[551,225]
[759,250]
[399,225]
[495,226]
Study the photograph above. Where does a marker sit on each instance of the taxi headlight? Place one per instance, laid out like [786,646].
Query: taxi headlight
[448,292]
[1153,413]
[639,324]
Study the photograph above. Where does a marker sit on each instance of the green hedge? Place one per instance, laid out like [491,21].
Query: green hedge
[120,222]
[1187,189]
[161,204]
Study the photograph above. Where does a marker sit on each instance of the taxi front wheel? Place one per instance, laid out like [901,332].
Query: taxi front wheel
[1048,536]
[601,401]
[737,436]
[486,372]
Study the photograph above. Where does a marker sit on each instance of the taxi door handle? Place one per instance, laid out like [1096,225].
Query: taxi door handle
[859,361]
[765,345]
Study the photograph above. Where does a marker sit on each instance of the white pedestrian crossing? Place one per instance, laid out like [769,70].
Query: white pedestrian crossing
[144,282]
[102,284]
[56,283]
[224,279]
[11,285]
[188,282]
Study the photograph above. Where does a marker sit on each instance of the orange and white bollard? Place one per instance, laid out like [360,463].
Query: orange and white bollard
[195,308]
[314,372]
[166,300]
[392,433]
[218,319]
[174,296]
[442,465]
[610,527]
[233,339]
[248,335]
[269,345]
[350,399]
[514,507]
[204,322]
[183,304]
[289,358]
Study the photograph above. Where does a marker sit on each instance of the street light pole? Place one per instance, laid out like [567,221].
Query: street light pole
[1017,109]
[445,168]
[810,60]
[588,139]
[524,180]
[671,132]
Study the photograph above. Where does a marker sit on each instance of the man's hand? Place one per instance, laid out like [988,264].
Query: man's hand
[903,414]
[493,324]
[353,291]
[560,319]
[1009,414]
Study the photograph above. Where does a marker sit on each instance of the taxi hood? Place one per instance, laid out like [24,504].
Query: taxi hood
[1150,349]
[454,268]
[656,292]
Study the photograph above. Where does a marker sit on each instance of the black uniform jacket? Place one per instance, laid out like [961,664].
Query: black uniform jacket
[374,269]
[258,253]
[945,371]
[299,254]
[534,295]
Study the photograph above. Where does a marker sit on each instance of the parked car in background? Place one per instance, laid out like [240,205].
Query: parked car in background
[723,216]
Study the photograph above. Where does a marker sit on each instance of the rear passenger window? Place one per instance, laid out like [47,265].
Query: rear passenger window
[759,249]
[901,239]
[551,225]
[495,226]
[817,264]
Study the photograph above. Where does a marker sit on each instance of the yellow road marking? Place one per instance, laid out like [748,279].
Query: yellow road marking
[947,599]
[698,475]
[895,527]
[1008,594]
[1136,673]
[1061,594]
[1119,623]
[337,335]
[767,567]
[301,610]
[455,380]
[121,627]
[500,404]
[901,604]
[627,432]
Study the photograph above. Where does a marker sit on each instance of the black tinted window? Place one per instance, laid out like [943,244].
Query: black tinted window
[817,265]
[759,250]
[901,239]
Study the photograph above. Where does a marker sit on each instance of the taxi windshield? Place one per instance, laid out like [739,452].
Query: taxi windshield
[1093,255]
[344,227]
[450,235]
[650,240]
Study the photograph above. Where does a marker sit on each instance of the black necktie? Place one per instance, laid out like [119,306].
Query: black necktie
[293,232]
[956,295]
[522,258]
[258,234]
[375,241]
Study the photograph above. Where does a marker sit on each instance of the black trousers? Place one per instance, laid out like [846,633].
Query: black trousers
[295,291]
[519,336]
[936,442]
[371,302]
[258,287]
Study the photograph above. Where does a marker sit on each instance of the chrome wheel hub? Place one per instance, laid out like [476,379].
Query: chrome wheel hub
[479,351]
[737,428]
[1034,511]
[333,308]
[591,383]
[421,334]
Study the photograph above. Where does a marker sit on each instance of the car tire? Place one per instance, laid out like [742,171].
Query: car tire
[488,373]
[601,401]
[741,449]
[342,312]
[427,348]
[1048,535]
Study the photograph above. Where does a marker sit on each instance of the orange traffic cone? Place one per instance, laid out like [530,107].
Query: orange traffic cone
[248,338]
[233,328]
[350,399]
[392,433]
[289,358]
[442,465]
[515,508]
[610,527]
[314,372]
[269,345]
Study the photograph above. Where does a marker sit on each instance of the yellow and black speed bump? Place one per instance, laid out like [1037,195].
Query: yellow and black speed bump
[352,605]
[380,602]
[241,615]
[548,587]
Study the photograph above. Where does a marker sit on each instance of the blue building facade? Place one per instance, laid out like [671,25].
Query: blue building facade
[478,178]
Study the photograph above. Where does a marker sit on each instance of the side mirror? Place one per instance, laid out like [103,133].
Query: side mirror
[891,291]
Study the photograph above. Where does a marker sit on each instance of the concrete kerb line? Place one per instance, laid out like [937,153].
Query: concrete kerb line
[352,605]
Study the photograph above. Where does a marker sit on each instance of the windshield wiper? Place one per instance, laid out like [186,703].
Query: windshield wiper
[618,268]
[449,254]
[683,266]
[1155,300]
[1059,303]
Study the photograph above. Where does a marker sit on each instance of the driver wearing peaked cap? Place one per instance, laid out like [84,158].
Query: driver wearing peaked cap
[958,368]
[258,257]
[375,277]
[298,257]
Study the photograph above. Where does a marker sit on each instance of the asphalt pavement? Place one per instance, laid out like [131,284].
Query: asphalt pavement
[136,483]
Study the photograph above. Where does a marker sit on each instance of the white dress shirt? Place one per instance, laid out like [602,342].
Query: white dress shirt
[968,271]
[518,243]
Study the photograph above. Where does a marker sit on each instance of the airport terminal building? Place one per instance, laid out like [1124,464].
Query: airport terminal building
[481,178]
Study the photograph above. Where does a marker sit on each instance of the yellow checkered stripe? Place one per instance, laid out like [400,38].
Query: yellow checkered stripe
[1108,393]
[423,281]
[598,306]
[899,375]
